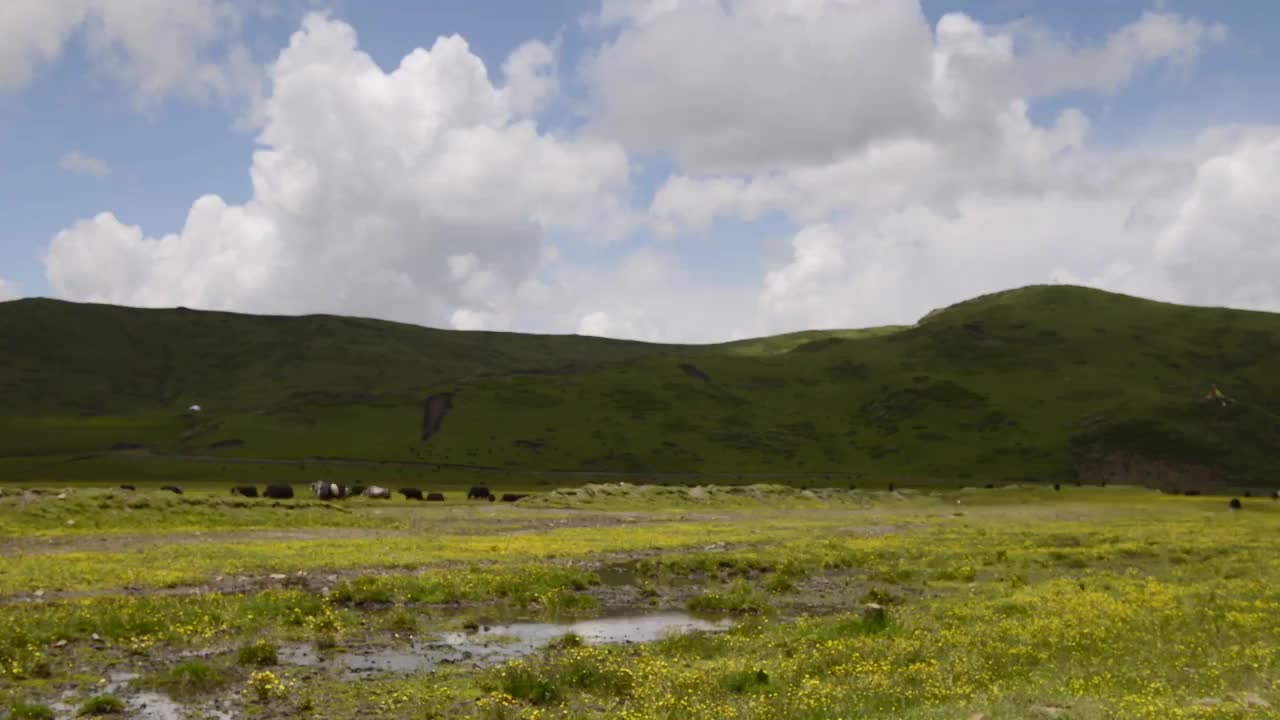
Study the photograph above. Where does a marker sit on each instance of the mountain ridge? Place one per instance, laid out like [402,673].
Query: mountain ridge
[1044,382]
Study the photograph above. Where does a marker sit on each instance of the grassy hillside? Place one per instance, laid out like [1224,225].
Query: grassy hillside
[1045,383]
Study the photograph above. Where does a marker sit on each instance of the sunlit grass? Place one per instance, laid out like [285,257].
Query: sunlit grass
[1089,604]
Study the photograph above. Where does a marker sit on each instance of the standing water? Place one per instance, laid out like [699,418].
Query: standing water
[498,643]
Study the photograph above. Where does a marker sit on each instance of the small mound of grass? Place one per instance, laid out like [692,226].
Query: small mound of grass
[259,654]
[30,711]
[737,598]
[745,681]
[402,620]
[193,677]
[566,641]
[103,705]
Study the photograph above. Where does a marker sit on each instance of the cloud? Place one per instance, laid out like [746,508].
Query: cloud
[916,195]
[794,83]
[907,162]
[82,164]
[1194,225]
[420,194]
[651,296]
[745,100]
[9,290]
[155,48]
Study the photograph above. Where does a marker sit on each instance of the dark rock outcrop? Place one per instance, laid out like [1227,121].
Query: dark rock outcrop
[433,412]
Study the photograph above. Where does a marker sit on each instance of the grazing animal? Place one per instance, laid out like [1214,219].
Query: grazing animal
[380,493]
[492,498]
[1191,493]
[245,490]
[128,487]
[890,487]
[1057,487]
[435,497]
[512,497]
[989,486]
[172,488]
[278,492]
[1275,495]
[329,491]
[478,492]
[1236,504]
[411,493]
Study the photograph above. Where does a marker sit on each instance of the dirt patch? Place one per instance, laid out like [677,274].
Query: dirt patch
[433,412]
[1129,468]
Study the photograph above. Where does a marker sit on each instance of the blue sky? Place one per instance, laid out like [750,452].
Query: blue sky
[163,158]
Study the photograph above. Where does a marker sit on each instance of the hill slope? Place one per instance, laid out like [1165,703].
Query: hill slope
[1044,382]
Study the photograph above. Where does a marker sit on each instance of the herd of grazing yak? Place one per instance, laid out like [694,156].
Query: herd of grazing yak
[335,491]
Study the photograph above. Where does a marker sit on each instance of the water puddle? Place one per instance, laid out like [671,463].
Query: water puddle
[497,643]
[142,705]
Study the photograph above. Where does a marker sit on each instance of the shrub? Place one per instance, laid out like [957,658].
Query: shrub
[103,705]
[189,678]
[259,654]
[263,685]
[29,711]
[745,681]
[739,597]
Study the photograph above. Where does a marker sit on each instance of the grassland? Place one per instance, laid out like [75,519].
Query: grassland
[1051,383]
[1018,602]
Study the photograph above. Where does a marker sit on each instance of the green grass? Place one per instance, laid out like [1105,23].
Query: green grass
[189,678]
[258,654]
[1109,602]
[30,711]
[103,705]
[1045,383]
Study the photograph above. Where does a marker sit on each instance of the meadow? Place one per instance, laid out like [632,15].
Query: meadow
[1011,602]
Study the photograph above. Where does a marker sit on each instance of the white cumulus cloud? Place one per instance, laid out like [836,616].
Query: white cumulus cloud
[420,194]
[908,162]
[155,48]
[796,82]
[1193,225]
[80,163]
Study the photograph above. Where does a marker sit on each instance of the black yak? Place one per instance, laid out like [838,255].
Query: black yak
[278,492]
[245,490]
[172,489]
[128,487]
[1236,504]
[512,497]
[435,497]
[478,492]
[411,493]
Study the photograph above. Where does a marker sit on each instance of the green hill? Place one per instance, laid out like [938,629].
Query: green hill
[1044,383]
